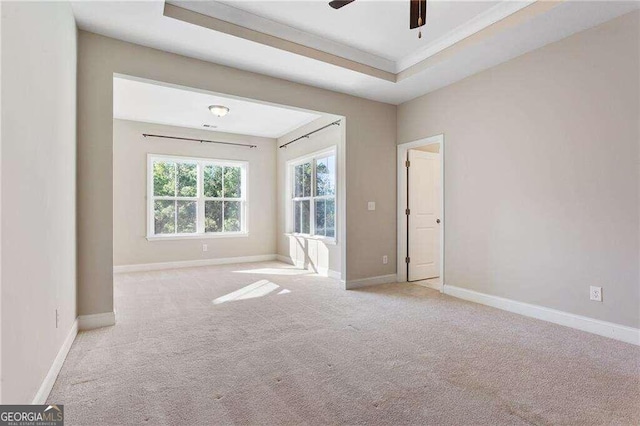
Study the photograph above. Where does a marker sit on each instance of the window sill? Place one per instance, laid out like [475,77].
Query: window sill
[326,240]
[196,236]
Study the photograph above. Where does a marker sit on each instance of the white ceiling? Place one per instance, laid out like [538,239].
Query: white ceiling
[382,26]
[372,39]
[381,37]
[153,103]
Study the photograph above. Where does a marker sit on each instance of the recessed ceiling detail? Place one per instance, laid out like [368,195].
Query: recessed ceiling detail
[368,59]
[380,39]
[154,103]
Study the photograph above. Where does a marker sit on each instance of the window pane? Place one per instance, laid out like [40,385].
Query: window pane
[213,181]
[302,219]
[164,178]
[213,216]
[306,217]
[320,217]
[306,185]
[330,218]
[297,181]
[164,214]
[296,217]
[186,217]
[326,175]
[232,182]
[302,180]
[232,216]
[187,179]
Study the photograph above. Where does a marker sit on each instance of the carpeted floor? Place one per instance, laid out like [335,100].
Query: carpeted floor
[266,344]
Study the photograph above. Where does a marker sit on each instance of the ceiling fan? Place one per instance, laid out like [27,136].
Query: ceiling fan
[417,12]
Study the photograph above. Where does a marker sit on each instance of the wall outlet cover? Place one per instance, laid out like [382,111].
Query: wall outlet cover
[371,205]
[385,259]
[205,247]
[595,293]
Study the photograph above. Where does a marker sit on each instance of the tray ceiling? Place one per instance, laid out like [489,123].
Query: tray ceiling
[377,58]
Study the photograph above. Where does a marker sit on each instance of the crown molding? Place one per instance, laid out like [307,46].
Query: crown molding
[242,18]
[532,10]
[230,28]
[476,24]
[240,23]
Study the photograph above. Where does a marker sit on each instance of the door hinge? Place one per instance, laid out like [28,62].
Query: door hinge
[407,212]
[407,163]
[407,259]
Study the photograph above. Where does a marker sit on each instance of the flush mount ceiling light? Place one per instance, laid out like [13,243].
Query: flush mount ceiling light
[219,110]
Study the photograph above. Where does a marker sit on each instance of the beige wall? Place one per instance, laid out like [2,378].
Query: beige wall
[541,173]
[311,253]
[38,191]
[130,149]
[370,152]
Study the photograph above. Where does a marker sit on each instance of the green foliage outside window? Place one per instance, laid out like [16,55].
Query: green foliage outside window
[321,197]
[187,185]
[303,180]
[165,216]
[325,176]
[222,182]
[213,181]
[164,179]
[180,180]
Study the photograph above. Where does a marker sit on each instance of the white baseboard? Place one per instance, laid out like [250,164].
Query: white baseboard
[83,322]
[285,259]
[325,272]
[428,284]
[52,375]
[290,261]
[330,273]
[89,322]
[602,328]
[366,282]
[334,274]
[192,263]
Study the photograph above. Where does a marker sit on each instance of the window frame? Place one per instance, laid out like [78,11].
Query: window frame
[291,199]
[200,199]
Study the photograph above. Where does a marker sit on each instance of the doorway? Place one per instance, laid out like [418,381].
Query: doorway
[188,194]
[421,212]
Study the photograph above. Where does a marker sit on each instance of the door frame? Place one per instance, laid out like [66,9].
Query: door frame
[401,268]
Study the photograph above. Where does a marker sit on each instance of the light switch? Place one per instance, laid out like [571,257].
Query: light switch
[371,205]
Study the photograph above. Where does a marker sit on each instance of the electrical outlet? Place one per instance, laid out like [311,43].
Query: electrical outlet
[595,293]
[371,205]
[385,259]
[205,247]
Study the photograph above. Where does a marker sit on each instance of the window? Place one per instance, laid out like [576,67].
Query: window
[313,195]
[191,197]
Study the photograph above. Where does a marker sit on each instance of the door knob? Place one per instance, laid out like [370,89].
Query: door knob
[437,220]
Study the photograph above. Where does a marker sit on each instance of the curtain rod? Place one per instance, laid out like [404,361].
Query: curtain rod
[198,140]
[335,123]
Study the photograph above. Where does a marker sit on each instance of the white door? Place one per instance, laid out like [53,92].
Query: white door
[423,218]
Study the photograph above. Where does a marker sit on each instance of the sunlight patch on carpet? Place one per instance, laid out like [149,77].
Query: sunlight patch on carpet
[258,289]
[276,271]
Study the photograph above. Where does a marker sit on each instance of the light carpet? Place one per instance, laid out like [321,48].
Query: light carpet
[281,346]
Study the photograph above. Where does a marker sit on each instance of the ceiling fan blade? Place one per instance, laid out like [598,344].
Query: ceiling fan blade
[416,8]
[337,4]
